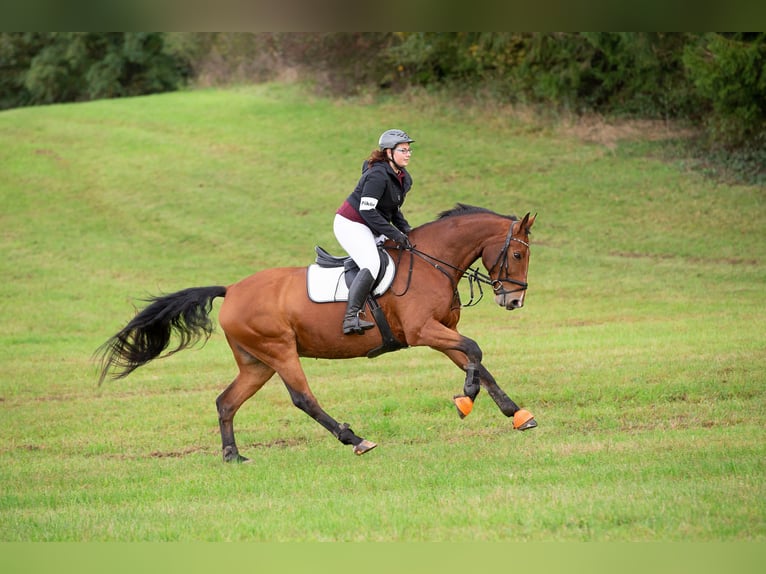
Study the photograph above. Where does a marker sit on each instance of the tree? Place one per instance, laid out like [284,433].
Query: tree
[729,73]
[45,68]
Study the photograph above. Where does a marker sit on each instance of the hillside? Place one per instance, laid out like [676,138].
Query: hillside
[640,348]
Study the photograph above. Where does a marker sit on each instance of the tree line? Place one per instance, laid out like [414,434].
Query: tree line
[716,80]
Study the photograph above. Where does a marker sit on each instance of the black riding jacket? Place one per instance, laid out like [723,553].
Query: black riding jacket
[380,182]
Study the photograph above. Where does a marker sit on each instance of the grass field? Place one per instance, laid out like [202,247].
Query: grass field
[641,349]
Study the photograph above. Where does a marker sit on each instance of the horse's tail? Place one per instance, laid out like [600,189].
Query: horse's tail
[148,334]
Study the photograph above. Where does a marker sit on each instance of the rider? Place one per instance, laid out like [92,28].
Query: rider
[370,214]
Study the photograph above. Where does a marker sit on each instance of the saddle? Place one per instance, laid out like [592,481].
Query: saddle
[329,278]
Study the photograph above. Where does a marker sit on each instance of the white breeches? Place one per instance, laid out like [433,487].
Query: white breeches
[359,242]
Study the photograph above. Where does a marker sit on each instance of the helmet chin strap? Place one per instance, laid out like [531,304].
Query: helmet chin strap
[393,161]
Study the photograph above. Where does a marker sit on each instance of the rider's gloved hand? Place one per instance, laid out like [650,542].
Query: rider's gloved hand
[403,242]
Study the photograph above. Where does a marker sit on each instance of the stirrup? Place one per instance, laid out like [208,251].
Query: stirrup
[356,325]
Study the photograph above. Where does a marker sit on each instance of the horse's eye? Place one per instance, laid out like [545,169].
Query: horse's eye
[517,255]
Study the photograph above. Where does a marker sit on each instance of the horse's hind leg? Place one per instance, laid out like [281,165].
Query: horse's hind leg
[297,385]
[253,374]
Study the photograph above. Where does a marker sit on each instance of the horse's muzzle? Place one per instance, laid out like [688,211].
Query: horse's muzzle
[510,301]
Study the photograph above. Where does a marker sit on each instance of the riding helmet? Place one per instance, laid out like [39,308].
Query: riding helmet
[390,138]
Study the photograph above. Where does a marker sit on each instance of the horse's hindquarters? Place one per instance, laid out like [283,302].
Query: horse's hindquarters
[269,314]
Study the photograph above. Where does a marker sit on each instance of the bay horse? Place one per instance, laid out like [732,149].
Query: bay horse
[270,323]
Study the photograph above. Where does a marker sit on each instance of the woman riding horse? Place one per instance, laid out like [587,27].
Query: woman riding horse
[373,210]
[270,323]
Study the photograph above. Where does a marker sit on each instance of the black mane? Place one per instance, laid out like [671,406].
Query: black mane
[463,209]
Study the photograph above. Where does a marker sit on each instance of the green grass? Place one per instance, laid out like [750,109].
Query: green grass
[641,349]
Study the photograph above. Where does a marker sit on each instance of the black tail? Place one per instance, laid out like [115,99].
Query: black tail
[148,334]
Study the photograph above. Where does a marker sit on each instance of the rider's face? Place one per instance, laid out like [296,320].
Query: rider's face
[401,154]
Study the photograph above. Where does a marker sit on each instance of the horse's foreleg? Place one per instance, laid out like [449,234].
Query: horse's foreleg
[478,376]
[464,352]
[522,418]
[471,388]
[467,355]
[295,380]
[252,376]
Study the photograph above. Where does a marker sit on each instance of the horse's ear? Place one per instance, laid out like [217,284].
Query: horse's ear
[527,221]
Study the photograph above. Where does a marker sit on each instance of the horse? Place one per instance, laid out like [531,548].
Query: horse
[270,323]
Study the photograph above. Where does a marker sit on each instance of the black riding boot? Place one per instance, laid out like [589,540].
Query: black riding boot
[357,294]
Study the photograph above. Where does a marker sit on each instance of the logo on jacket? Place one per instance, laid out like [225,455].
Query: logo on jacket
[367,203]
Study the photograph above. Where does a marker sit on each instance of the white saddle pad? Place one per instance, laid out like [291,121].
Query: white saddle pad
[328,285]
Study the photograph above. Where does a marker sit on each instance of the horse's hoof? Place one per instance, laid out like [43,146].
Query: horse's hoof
[232,455]
[364,446]
[464,405]
[530,424]
[523,420]
[239,459]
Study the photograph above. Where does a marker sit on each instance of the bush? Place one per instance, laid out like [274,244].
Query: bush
[729,73]
[627,73]
[340,63]
[45,68]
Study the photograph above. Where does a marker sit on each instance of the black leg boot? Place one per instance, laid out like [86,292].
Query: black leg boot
[357,294]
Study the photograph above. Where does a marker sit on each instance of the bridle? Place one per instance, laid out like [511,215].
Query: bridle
[474,275]
[497,284]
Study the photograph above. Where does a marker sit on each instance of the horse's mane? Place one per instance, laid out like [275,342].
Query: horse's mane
[464,209]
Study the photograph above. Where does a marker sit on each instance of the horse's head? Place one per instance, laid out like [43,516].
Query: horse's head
[507,262]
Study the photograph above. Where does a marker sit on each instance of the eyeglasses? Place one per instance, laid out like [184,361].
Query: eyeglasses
[406,151]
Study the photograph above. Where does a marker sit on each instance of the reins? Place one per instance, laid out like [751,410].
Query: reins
[475,277]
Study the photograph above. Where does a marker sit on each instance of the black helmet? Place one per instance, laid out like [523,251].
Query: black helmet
[390,138]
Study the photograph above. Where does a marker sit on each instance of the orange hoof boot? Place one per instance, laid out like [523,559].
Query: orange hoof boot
[464,405]
[523,420]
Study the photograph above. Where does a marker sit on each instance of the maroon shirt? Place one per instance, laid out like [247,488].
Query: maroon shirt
[381,183]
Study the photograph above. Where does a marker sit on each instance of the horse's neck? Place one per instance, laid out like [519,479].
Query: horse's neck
[461,241]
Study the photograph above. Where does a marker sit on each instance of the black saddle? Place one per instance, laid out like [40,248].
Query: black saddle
[325,259]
